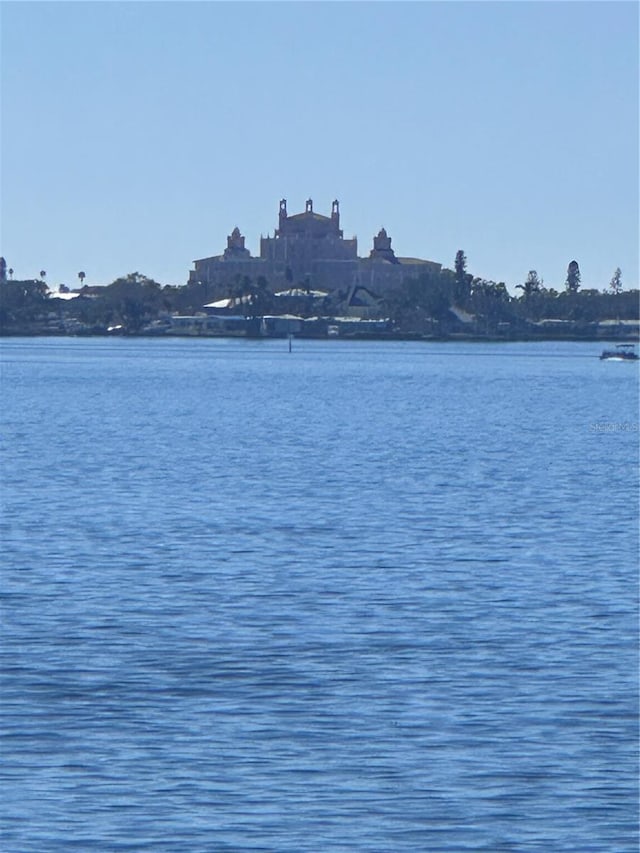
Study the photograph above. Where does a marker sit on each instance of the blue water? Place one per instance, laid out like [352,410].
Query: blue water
[357,597]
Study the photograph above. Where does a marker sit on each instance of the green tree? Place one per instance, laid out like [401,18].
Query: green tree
[422,304]
[533,284]
[133,300]
[573,277]
[490,303]
[23,302]
[82,275]
[460,266]
[463,280]
[615,285]
[260,298]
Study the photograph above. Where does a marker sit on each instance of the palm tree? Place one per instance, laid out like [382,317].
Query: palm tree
[10,272]
[43,274]
[533,284]
[81,276]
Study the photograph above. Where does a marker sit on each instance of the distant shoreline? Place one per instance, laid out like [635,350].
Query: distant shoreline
[362,336]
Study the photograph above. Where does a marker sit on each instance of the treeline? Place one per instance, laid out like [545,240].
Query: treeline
[130,301]
[449,299]
[440,302]
[133,301]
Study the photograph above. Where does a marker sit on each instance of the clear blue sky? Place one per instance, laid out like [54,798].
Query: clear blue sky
[136,135]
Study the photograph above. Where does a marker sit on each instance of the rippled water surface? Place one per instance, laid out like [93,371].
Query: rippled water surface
[357,597]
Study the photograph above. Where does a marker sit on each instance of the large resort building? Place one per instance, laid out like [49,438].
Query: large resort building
[308,250]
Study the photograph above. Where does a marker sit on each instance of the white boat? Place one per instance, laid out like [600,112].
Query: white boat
[622,352]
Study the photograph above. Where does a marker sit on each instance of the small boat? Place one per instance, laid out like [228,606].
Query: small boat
[622,352]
